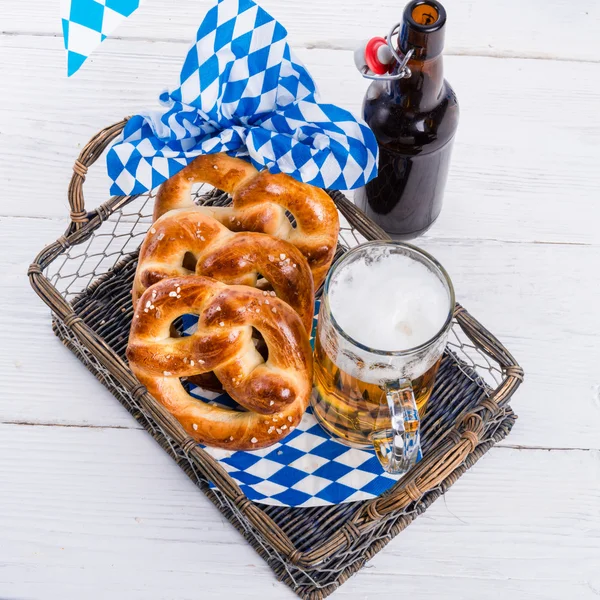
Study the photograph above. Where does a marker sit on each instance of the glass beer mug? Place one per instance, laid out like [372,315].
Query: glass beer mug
[385,316]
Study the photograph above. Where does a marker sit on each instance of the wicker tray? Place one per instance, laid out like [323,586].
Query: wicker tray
[85,277]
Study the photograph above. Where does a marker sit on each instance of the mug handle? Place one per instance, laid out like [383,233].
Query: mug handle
[397,448]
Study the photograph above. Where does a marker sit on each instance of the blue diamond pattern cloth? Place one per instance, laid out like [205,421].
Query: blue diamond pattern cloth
[307,468]
[243,92]
[87,23]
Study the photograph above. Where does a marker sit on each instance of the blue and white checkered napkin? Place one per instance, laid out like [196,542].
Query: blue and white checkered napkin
[307,468]
[243,92]
[87,23]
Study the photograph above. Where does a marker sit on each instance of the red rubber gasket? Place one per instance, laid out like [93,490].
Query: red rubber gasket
[371,59]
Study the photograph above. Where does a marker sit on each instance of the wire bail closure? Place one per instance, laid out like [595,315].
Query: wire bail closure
[403,69]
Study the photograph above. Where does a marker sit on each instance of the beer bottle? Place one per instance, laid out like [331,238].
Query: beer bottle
[414,120]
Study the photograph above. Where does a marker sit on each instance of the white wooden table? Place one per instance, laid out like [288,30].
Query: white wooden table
[91,507]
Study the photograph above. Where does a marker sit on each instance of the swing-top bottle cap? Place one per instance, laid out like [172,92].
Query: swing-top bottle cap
[374,55]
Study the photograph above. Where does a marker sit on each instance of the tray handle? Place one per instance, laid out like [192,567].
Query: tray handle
[446,457]
[88,156]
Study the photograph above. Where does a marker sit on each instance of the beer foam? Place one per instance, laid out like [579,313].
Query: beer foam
[389,303]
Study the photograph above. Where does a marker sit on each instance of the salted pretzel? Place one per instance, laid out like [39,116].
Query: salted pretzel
[275,392]
[260,202]
[187,241]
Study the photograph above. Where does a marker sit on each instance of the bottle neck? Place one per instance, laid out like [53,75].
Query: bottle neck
[423,90]
[422,31]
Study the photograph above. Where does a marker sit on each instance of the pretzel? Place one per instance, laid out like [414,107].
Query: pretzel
[275,392]
[260,202]
[183,237]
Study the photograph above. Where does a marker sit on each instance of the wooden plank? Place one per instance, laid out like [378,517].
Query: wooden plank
[556,29]
[104,513]
[524,165]
[536,298]
[503,284]
[41,379]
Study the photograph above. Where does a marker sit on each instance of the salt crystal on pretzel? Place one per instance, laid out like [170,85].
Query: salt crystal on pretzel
[280,385]
[261,201]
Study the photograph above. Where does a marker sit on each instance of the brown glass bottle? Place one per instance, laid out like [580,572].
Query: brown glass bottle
[414,120]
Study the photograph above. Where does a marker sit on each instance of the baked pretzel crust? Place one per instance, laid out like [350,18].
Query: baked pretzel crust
[275,392]
[261,201]
[234,258]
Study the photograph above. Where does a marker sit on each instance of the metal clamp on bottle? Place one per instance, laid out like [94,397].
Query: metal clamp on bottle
[377,58]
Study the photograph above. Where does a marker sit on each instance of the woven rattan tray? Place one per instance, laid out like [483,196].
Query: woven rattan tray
[85,278]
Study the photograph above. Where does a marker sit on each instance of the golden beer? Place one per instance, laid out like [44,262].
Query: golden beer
[350,409]
[383,326]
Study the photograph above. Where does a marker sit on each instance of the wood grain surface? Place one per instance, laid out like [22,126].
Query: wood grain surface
[559,29]
[110,517]
[514,174]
